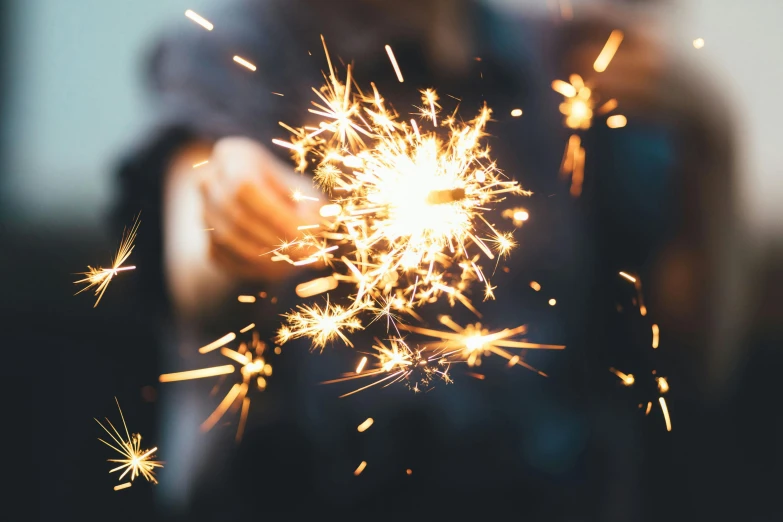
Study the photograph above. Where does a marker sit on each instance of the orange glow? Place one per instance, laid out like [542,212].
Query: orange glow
[200,164]
[609,106]
[214,345]
[361,428]
[665,411]
[316,286]
[200,20]
[516,113]
[655,334]
[628,379]
[663,384]
[617,121]
[197,374]
[223,407]
[358,471]
[241,61]
[649,408]
[394,63]
[409,471]
[564,88]
[124,485]
[513,361]
[607,53]
[246,298]
[535,286]
[360,367]
[248,328]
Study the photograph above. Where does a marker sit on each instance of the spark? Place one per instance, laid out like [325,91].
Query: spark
[322,325]
[101,277]
[535,286]
[607,53]
[616,122]
[398,362]
[246,298]
[200,20]
[516,113]
[698,43]
[361,428]
[517,215]
[628,277]
[627,378]
[200,164]
[136,461]
[297,196]
[665,411]
[316,286]
[253,368]
[394,63]
[248,328]
[409,471]
[470,343]
[407,206]
[360,367]
[278,93]
[197,374]
[218,343]
[124,485]
[358,470]
[663,385]
[578,107]
[655,335]
[241,61]
[552,302]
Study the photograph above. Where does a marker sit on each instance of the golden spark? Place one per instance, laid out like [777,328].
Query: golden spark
[136,461]
[101,277]
[244,63]
[322,325]
[472,342]
[200,20]
[253,368]
[397,362]
[607,53]
[516,113]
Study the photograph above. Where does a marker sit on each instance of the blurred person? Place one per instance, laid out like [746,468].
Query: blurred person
[476,446]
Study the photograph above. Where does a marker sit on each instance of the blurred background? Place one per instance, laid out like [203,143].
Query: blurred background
[72,101]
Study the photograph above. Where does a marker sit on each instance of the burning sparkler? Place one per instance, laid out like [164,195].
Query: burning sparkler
[407,204]
[253,368]
[101,277]
[136,461]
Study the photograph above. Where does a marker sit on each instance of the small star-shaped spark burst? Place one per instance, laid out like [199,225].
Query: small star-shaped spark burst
[101,277]
[136,461]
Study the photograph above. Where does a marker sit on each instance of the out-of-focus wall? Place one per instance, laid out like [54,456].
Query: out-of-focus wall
[74,97]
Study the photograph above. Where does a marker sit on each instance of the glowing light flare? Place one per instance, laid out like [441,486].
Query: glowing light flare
[122,486]
[361,364]
[135,460]
[316,286]
[607,53]
[535,286]
[698,43]
[616,121]
[516,113]
[564,88]
[244,63]
[627,378]
[394,63]
[364,426]
[359,469]
[200,164]
[655,336]
[663,384]
[246,298]
[197,374]
[552,302]
[665,411]
[99,278]
[214,345]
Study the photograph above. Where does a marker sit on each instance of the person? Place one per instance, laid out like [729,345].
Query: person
[484,446]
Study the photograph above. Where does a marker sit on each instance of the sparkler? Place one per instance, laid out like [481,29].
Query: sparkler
[253,368]
[136,461]
[407,208]
[101,277]
[579,108]
[629,380]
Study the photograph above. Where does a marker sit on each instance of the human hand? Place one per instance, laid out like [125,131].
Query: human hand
[247,201]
